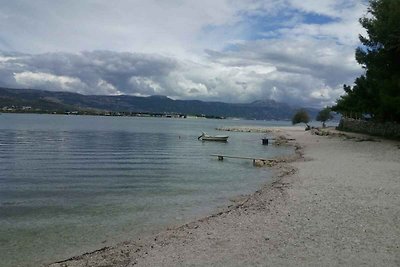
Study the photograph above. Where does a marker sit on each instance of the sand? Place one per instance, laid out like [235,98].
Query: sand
[337,203]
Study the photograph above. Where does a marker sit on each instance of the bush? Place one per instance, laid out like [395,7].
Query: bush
[301,116]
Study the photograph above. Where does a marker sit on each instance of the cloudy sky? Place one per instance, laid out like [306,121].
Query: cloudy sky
[295,51]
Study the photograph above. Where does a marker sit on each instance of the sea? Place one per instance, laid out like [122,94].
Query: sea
[72,184]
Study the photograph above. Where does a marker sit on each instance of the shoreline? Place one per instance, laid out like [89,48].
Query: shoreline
[265,228]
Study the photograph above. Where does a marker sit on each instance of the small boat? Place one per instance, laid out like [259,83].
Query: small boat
[206,137]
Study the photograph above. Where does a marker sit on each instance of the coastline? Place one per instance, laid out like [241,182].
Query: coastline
[325,207]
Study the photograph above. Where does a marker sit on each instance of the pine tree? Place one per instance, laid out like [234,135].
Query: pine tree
[377,92]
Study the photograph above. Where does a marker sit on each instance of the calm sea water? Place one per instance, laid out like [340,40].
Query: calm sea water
[70,184]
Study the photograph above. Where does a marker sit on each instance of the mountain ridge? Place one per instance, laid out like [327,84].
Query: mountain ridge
[52,101]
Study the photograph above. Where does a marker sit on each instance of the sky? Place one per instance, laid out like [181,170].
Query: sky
[300,52]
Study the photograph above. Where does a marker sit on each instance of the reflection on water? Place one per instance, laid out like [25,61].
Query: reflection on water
[70,184]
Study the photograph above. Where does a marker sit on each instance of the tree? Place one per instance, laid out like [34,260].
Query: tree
[301,116]
[324,115]
[377,91]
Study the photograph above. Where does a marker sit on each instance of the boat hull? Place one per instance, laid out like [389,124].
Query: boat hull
[218,138]
[215,138]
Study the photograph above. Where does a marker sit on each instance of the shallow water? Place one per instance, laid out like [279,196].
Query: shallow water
[69,184]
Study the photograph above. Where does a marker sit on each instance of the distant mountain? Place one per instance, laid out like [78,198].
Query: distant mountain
[48,101]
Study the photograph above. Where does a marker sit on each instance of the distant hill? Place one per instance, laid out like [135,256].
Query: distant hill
[49,101]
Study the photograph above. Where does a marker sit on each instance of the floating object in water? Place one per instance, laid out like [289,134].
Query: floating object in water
[206,137]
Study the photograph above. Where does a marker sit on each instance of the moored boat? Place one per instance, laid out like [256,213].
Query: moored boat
[206,137]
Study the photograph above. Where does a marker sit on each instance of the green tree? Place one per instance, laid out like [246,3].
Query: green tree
[301,116]
[377,91]
[324,115]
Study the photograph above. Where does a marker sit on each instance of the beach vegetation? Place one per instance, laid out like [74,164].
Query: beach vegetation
[301,116]
[376,93]
[324,115]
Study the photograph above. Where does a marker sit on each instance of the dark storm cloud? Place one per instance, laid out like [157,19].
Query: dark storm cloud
[90,71]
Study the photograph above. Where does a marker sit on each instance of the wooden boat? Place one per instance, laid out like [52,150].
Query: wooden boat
[219,138]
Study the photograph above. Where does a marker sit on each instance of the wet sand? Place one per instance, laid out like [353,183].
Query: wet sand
[336,202]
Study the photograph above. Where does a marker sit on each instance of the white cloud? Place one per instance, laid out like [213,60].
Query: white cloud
[145,86]
[107,88]
[227,50]
[5,59]
[169,27]
[46,80]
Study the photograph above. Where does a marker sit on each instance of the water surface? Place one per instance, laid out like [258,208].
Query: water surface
[69,184]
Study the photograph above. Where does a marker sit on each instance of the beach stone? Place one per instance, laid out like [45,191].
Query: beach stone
[258,163]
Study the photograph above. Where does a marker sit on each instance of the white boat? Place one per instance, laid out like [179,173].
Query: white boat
[206,137]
